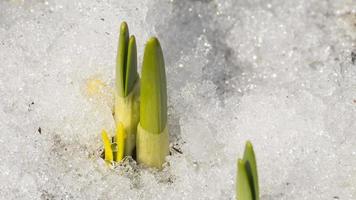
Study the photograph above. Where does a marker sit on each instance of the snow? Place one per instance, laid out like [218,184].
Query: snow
[278,73]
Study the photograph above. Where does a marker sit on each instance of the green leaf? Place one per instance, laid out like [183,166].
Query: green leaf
[121,59]
[251,169]
[153,108]
[243,187]
[131,66]
[126,62]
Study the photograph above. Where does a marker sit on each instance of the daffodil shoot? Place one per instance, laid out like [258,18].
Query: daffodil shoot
[152,132]
[140,105]
[127,90]
[247,179]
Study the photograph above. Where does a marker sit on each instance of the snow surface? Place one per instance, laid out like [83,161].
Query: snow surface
[279,73]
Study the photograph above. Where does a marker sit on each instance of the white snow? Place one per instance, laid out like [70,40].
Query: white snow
[279,73]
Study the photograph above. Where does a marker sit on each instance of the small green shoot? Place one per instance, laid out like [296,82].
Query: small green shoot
[247,178]
[126,62]
[152,133]
[140,113]
[127,89]
[153,110]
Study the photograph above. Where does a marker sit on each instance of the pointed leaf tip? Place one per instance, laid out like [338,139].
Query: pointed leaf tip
[153,41]
[121,58]
[251,169]
[248,144]
[123,26]
[153,108]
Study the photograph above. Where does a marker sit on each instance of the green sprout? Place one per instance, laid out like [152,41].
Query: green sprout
[247,178]
[140,113]
[127,89]
[152,133]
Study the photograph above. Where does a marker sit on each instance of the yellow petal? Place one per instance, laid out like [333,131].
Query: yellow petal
[120,141]
[107,146]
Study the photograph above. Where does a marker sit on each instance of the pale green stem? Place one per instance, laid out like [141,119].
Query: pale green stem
[152,148]
[127,112]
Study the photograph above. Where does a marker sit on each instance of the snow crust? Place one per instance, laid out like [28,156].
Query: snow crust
[279,73]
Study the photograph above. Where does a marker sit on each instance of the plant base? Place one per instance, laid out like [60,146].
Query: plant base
[152,148]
